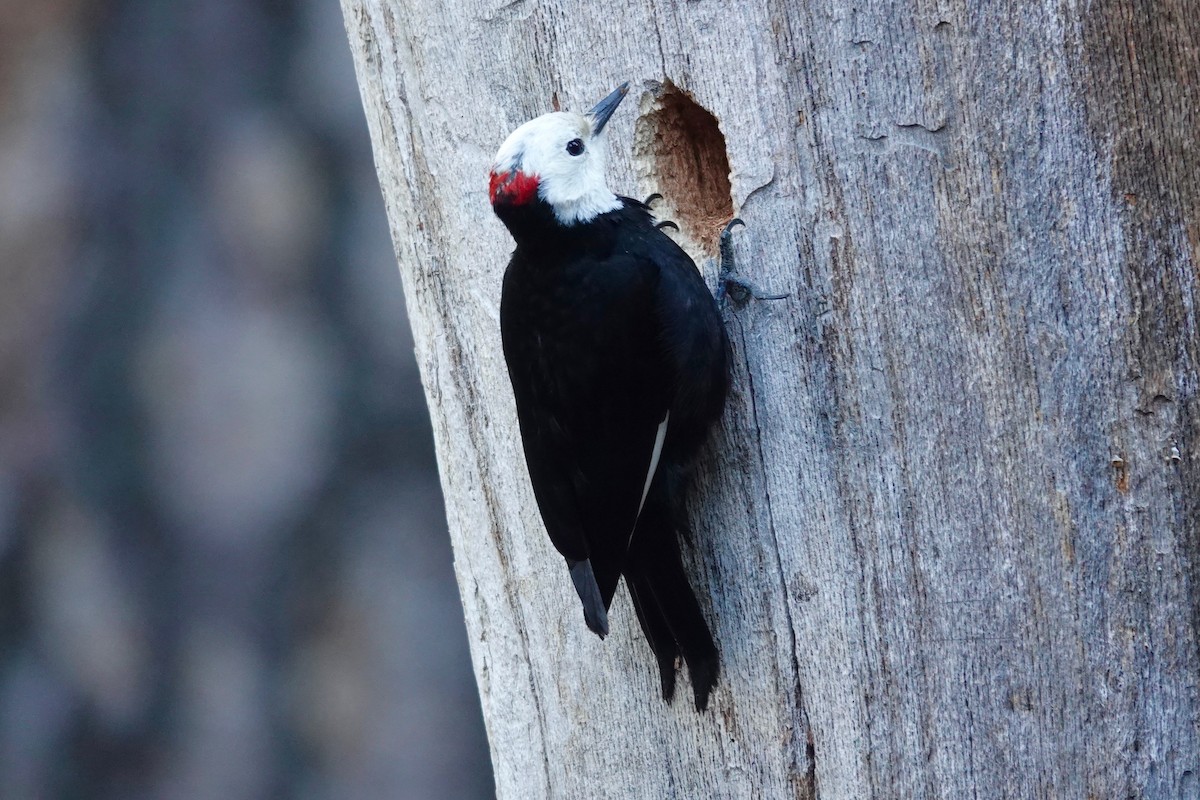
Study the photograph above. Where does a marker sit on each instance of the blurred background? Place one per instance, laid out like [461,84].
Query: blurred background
[224,570]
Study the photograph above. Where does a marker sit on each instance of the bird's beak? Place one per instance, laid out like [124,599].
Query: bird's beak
[605,108]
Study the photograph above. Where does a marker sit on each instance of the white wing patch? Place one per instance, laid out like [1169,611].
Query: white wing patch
[659,438]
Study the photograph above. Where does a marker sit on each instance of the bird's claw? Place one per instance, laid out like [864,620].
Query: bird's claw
[666,223]
[739,290]
[726,249]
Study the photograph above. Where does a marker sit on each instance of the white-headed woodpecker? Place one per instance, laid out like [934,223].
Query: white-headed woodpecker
[619,365]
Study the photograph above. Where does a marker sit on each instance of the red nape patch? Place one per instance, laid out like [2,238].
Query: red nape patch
[512,188]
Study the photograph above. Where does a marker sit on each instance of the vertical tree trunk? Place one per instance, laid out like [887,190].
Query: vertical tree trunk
[948,532]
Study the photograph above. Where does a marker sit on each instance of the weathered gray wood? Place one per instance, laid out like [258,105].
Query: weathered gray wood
[948,532]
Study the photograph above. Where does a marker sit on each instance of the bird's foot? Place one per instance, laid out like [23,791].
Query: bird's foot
[729,285]
[666,223]
[740,290]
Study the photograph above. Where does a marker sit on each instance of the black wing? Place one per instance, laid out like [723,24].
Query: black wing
[695,352]
[692,342]
[581,339]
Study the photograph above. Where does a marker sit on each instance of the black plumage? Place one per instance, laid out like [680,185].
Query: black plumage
[608,331]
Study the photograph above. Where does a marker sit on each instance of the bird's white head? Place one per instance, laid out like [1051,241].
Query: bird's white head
[558,159]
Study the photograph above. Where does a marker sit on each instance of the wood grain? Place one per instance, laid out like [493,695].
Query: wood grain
[948,532]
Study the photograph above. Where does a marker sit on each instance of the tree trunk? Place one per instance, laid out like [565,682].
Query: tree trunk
[947,534]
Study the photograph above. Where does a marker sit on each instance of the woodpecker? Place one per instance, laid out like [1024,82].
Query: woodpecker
[619,363]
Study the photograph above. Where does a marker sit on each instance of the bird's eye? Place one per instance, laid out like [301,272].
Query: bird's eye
[575,147]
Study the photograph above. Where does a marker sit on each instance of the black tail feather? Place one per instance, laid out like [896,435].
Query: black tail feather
[595,610]
[667,607]
[657,631]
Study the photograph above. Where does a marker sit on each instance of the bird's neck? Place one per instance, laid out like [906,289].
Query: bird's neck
[535,226]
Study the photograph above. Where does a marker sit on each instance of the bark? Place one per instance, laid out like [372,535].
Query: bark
[947,533]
